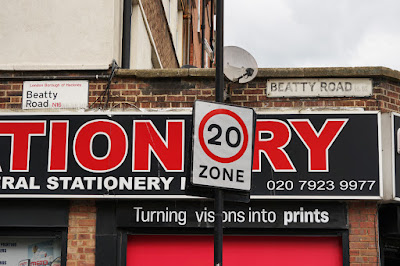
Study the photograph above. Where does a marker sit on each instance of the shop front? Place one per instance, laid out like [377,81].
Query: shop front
[262,232]
[307,169]
[316,181]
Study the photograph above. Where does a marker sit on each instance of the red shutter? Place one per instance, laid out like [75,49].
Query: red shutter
[189,250]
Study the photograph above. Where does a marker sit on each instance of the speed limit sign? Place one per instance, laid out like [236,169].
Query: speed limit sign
[222,145]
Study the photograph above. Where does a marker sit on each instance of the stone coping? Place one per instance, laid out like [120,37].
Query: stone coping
[263,73]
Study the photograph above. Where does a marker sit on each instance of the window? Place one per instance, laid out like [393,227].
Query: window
[30,250]
[33,232]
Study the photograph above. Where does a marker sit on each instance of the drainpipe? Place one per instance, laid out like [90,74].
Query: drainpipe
[126,34]
[212,25]
[189,25]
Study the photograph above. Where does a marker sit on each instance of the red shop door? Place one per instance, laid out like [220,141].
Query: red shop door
[194,250]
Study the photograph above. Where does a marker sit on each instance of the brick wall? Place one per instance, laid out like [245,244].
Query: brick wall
[363,233]
[178,89]
[81,234]
[158,93]
[387,92]
[196,38]
[173,93]
[138,89]
[10,95]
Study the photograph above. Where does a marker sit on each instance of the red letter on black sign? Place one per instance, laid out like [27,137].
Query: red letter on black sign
[117,146]
[58,146]
[273,147]
[21,132]
[146,138]
[318,143]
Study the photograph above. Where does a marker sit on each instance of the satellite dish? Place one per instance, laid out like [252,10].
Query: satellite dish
[239,65]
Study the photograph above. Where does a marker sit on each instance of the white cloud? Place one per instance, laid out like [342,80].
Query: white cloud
[292,33]
[378,48]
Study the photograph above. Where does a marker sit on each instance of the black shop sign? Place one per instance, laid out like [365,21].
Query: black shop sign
[146,155]
[256,214]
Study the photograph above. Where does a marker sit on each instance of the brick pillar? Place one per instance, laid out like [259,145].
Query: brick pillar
[364,236]
[81,234]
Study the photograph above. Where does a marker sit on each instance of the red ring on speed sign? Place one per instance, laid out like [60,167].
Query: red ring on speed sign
[204,146]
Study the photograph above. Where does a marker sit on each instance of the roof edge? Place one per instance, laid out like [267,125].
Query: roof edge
[311,72]
[207,73]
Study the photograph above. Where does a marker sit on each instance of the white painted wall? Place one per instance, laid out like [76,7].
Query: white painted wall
[141,47]
[166,5]
[174,15]
[173,20]
[179,38]
[59,34]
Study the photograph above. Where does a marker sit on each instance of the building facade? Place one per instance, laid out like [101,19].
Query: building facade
[91,204]
[137,34]
[95,159]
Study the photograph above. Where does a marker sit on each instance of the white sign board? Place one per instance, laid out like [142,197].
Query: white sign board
[222,145]
[55,94]
[323,87]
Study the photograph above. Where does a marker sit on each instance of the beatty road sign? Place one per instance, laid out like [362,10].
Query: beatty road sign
[322,87]
[55,94]
[222,145]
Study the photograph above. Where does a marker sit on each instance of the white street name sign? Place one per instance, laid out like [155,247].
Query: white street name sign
[55,94]
[323,87]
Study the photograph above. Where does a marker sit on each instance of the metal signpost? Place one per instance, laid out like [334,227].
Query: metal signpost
[219,92]
[223,137]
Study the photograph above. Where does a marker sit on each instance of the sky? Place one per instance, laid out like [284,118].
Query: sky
[315,33]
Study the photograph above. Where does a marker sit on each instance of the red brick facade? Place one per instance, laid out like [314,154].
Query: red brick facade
[196,37]
[178,89]
[363,235]
[81,233]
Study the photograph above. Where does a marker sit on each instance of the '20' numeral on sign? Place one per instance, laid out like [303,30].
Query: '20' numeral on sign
[214,140]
